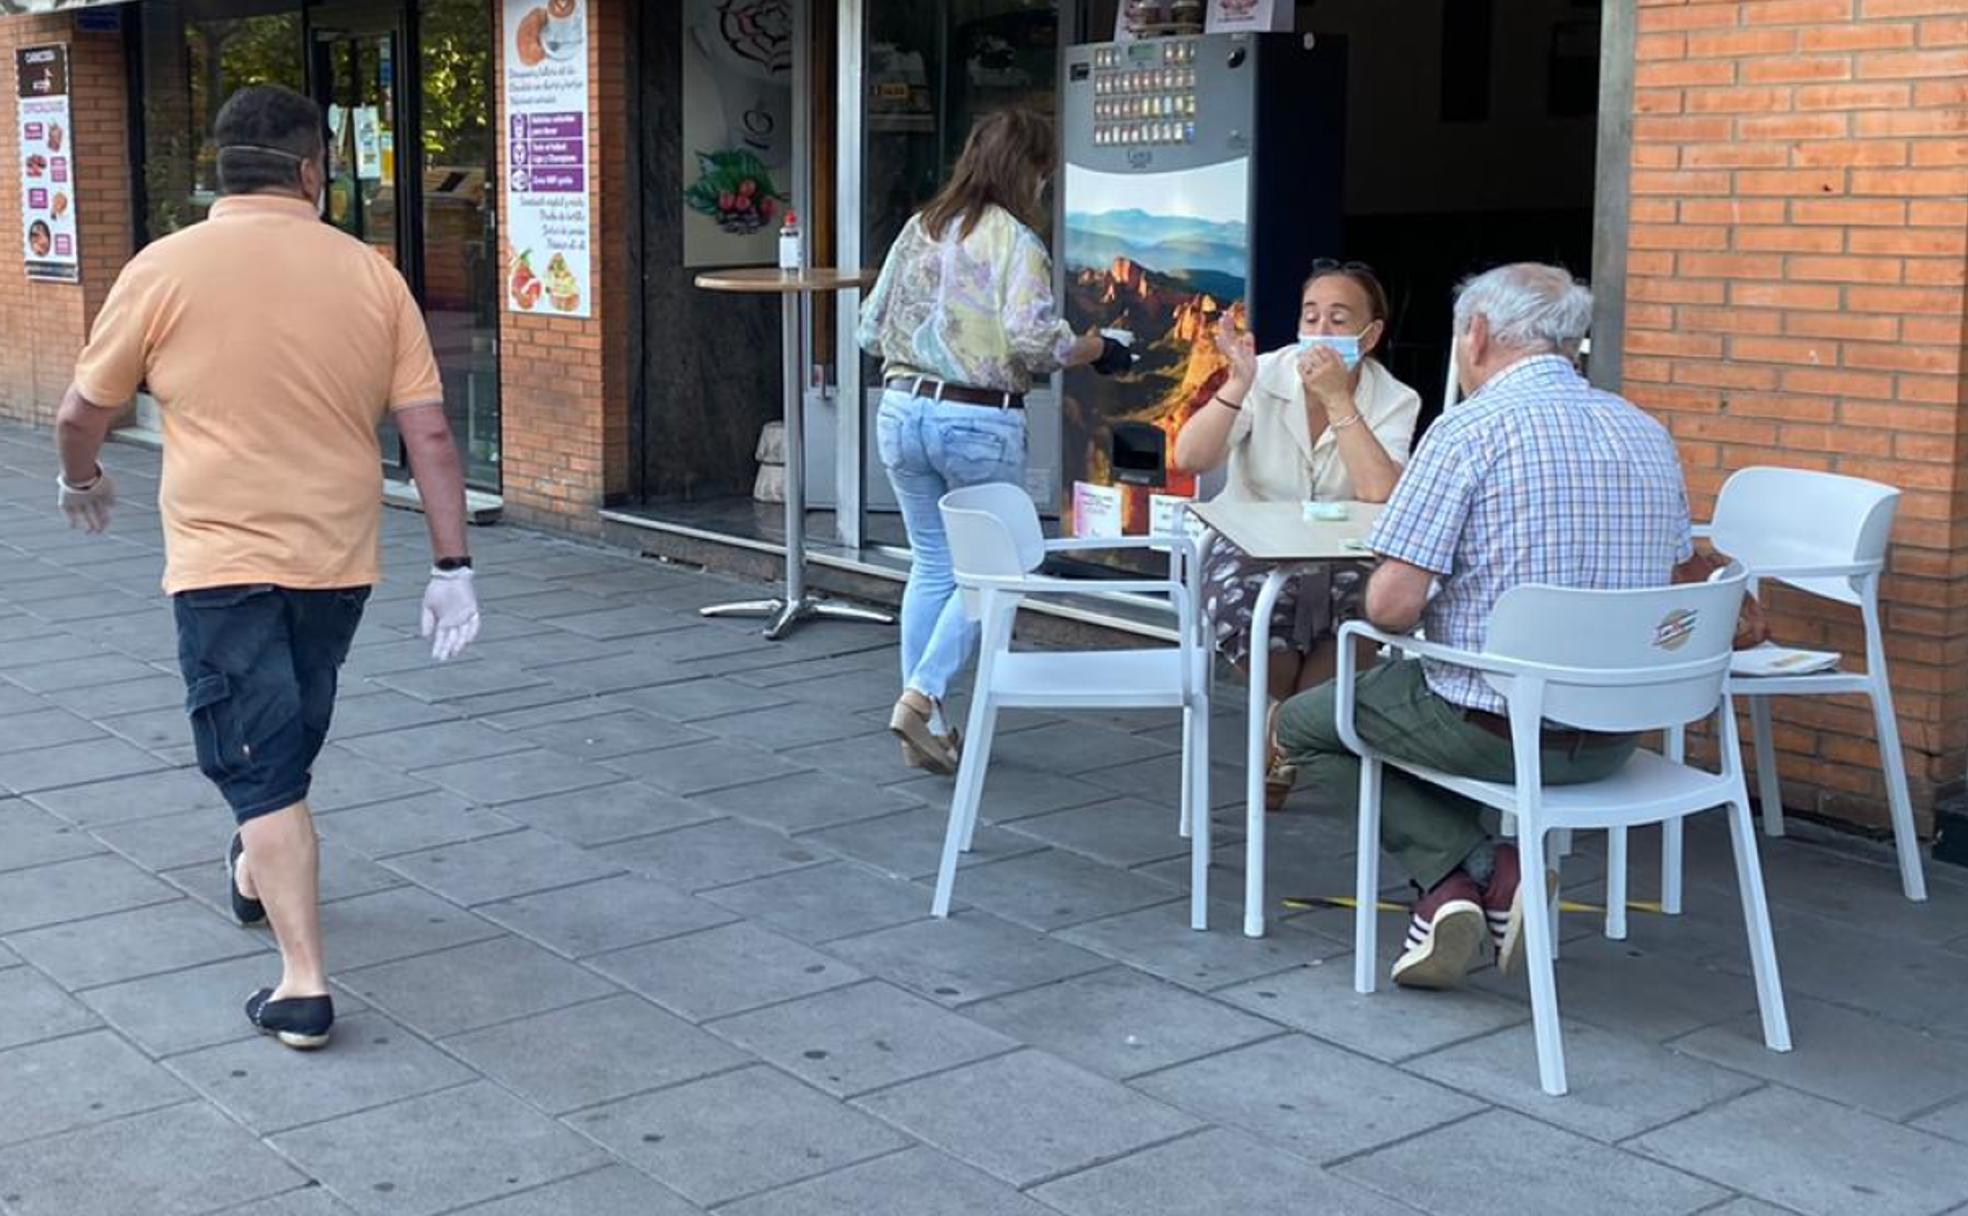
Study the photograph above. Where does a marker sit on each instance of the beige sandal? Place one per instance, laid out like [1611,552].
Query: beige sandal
[922,747]
[914,756]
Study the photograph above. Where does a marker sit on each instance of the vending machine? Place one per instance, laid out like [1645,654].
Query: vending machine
[1201,179]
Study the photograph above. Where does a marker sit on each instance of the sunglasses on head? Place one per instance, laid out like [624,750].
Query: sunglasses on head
[1330,265]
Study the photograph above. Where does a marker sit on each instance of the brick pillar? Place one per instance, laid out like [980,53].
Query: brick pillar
[1795,297]
[564,383]
[45,324]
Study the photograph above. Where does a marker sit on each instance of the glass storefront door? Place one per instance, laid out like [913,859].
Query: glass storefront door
[355,64]
[356,74]
[458,254]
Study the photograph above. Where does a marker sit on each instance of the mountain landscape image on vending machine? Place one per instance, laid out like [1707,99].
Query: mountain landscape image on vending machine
[1163,256]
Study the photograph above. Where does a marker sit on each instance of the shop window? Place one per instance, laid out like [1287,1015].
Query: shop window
[196,53]
[460,233]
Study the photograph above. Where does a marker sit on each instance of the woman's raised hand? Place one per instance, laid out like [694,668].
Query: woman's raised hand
[1239,348]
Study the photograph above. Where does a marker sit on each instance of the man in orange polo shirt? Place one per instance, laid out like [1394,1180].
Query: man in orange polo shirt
[274,344]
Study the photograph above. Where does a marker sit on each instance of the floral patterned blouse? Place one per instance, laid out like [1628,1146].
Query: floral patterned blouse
[977,311]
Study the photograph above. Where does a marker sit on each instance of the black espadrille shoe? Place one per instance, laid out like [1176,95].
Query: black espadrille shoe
[249,912]
[301,1022]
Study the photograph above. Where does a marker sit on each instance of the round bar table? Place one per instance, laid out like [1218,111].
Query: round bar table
[785,611]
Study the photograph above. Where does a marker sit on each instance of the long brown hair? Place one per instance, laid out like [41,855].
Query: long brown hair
[1006,157]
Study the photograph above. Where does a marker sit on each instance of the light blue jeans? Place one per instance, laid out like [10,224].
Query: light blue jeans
[930,448]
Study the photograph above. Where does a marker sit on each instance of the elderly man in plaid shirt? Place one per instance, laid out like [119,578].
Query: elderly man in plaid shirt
[1537,478]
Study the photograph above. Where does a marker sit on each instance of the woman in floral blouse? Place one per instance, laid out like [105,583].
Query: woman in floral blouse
[963,320]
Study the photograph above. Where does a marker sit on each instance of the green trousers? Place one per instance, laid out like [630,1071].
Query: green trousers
[1428,830]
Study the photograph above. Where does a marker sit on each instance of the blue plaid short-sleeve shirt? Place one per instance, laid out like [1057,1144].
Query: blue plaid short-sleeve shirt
[1538,478]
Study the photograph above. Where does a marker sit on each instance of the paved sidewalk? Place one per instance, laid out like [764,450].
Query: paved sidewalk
[628,914]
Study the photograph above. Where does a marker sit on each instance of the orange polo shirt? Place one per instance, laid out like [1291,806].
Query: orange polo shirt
[274,344]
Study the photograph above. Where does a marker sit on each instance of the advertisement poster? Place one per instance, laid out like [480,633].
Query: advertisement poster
[547,169]
[47,154]
[737,129]
[1163,256]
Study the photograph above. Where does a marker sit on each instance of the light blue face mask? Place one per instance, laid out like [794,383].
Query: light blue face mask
[1346,346]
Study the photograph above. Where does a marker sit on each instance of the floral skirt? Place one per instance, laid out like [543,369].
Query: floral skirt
[1312,605]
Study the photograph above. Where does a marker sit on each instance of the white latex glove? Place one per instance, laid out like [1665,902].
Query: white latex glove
[87,506]
[450,613]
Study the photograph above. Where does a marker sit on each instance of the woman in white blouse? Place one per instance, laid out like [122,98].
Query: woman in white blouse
[1320,420]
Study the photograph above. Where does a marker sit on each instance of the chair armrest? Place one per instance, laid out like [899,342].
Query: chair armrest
[1600,677]
[1034,584]
[1178,544]
[1836,570]
[1496,664]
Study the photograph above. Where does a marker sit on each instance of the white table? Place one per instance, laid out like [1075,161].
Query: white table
[1278,534]
[785,611]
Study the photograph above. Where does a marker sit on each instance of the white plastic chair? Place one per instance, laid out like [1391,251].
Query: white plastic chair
[1824,534]
[996,545]
[1650,659]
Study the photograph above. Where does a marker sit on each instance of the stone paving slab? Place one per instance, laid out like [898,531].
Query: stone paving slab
[1309,1098]
[720,853]
[622,865]
[377,1062]
[1044,1117]
[1814,1156]
[438,1152]
[468,987]
[598,1052]
[1504,1162]
[1911,1072]
[500,867]
[737,1134]
[596,917]
[725,970]
[1619,1087]
[1216,1171]
[130,945]
[608,813]
[62,1084]
[1120,1023]
[863,1037]
[820,903]
[179,1011]
[178,1161]
[410,825]
[910,844]
[614,1190]
[31,837]
[916,1182]
[968,957]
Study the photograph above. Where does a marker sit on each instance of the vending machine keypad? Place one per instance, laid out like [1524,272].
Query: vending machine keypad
[1145,93]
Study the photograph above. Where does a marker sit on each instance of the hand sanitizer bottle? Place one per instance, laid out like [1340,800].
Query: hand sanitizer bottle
[790,257]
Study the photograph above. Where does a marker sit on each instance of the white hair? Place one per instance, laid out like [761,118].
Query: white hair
[1529,306]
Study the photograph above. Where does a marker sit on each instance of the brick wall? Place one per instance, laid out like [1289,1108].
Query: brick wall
[42,325]
[1795,297]
[564,383]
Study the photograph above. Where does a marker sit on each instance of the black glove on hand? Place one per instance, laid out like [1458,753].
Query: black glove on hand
[1115,357]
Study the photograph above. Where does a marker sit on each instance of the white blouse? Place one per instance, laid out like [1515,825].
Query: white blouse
[1272,455]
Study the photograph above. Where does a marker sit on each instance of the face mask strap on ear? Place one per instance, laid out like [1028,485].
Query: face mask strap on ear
[320,203]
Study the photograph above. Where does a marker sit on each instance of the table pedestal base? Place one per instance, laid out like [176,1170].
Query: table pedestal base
[781,615]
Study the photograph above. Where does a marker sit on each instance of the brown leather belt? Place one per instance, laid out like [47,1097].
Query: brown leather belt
[1560,738]
[962,394]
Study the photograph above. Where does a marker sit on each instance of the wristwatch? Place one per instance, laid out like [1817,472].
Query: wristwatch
[448,564]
